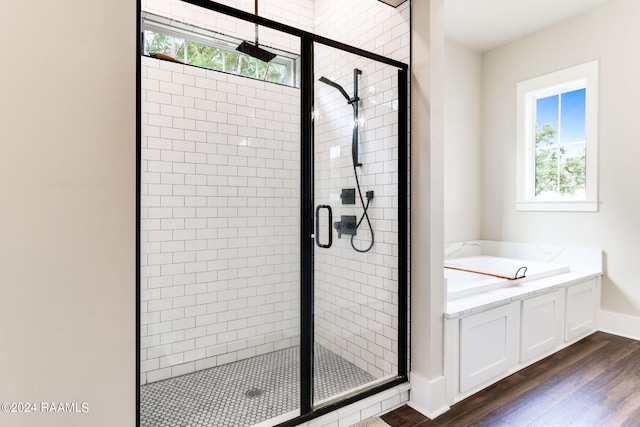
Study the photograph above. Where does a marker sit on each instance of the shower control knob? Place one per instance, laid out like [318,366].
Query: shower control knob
[348,196]
[346,225]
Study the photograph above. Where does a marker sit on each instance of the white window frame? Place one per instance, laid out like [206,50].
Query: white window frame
[528,92]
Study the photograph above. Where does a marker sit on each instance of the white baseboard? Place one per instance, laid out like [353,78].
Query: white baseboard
[428,396]
[619,324]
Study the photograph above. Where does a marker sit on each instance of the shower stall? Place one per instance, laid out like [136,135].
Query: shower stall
[273,223]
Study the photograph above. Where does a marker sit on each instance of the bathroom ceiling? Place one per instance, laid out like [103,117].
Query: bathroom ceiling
[485,24]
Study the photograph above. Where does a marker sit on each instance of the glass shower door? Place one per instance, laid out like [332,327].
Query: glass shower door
[356,165]
[272,229]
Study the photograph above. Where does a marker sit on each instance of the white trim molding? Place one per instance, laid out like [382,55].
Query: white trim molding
[528,91]
[558,206]
[619,324]
[428,396]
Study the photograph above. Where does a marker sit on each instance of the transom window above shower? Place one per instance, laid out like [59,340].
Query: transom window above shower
[172,40]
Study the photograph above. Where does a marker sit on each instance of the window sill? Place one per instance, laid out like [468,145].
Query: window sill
[558,206]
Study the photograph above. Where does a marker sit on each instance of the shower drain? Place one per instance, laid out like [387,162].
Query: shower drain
[253,393]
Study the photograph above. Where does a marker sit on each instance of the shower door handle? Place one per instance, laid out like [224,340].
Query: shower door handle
[329,229]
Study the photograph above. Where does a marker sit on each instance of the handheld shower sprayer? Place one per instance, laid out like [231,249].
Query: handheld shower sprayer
[335,85]
[353,101]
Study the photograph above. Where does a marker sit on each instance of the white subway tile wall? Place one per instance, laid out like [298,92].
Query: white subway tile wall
[220,227]
[368,24]
[221,201]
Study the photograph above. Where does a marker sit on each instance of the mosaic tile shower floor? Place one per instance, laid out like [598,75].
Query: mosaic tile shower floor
[244,393]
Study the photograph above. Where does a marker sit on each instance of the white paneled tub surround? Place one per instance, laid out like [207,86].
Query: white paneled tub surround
[495,327]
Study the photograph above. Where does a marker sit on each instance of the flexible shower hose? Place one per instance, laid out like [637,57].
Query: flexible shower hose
[365,208]
[365,214]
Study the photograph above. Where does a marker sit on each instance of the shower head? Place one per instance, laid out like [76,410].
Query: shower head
[255,51]
[335,85]
[354,103]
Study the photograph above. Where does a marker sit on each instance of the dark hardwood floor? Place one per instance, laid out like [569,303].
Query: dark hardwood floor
[595,382]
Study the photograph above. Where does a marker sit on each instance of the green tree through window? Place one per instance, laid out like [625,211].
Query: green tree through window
[162,43]
[556,170]
[214,58]
[560,144]
[557,141]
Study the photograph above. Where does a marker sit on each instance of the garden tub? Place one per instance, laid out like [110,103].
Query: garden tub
[476,274]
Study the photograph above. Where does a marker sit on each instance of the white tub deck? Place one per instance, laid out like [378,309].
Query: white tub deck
[473,275]
[548,267]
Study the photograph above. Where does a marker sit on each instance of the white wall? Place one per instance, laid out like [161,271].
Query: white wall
[609,34]
[427,207]
[67,197]
[462,143]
